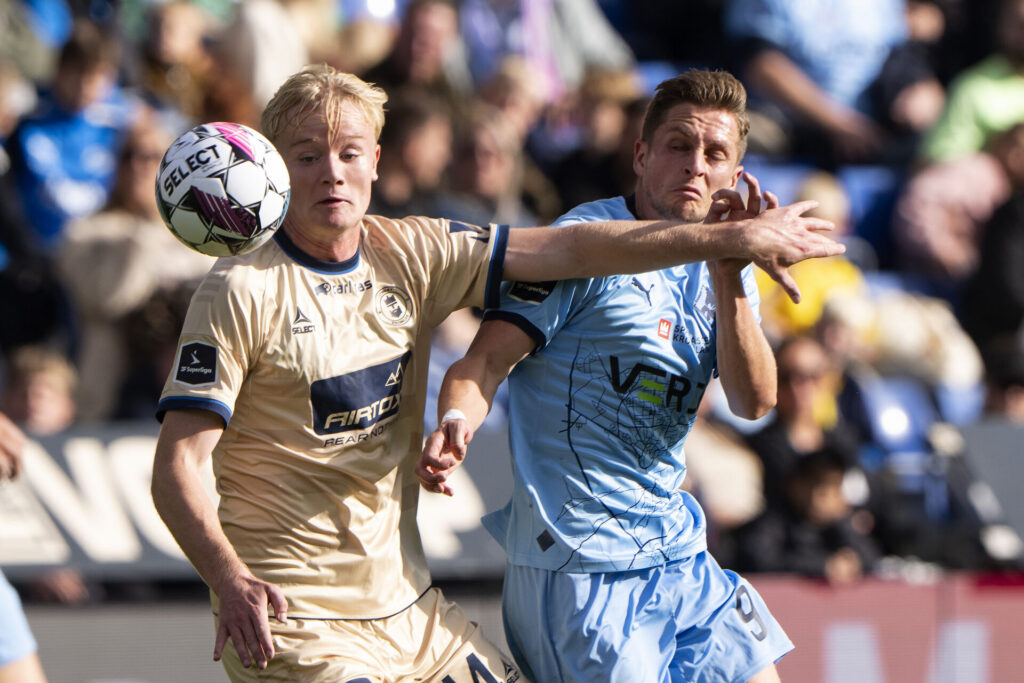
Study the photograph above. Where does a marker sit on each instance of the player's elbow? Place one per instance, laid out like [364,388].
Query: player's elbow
[751,405]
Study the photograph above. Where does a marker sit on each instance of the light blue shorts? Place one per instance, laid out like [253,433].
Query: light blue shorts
[688,620]
[16,639]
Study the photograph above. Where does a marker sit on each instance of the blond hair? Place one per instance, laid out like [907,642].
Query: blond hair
[321,86]
[27,362]
[713,89]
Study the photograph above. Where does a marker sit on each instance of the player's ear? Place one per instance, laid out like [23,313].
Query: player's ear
[376,160]
[736,176]
[639,156]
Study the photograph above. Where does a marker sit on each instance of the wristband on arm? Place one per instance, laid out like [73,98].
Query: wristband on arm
[453,414]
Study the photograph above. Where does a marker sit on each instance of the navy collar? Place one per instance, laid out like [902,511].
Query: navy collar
[301,257]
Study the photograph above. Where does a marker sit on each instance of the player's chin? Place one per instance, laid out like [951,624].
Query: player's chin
[691,211]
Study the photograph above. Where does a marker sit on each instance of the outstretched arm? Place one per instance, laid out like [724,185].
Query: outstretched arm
[468,388]
[186,440]
[774,240]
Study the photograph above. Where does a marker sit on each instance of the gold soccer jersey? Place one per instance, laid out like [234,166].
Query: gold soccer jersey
[319,372]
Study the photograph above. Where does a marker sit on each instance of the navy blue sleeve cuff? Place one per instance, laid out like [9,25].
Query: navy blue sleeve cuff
[193,403]
[522,323]
[492,291]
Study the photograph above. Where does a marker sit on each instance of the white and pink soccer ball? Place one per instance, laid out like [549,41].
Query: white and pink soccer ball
[222,189]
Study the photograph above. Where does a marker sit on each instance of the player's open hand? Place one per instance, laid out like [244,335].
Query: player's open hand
[245,620]
[443,451]
[783,236]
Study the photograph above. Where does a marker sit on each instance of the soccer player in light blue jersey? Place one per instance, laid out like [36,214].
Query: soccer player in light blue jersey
[608,575]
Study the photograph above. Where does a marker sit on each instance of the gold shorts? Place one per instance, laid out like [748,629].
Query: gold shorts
[431,640]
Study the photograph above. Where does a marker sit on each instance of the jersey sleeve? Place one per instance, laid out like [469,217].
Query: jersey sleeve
[216,347]
[541,309]
[466,263]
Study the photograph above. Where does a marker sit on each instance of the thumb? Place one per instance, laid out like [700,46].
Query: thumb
[457,441]
[278,602]
[718,209]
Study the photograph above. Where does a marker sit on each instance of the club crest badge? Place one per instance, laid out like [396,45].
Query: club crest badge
[393,306]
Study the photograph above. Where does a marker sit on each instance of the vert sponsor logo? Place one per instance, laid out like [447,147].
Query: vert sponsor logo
[197,364]
[656,386]
[360,399]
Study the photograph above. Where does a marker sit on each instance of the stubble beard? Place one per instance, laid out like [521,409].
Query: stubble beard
[685,211]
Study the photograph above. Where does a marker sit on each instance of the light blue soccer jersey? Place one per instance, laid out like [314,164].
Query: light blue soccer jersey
[600,410]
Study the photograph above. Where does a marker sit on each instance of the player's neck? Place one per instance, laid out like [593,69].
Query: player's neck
[326,244]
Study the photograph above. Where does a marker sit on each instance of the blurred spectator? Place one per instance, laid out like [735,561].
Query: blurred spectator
[114,262]
[513,89]
[812,68]
[818,279]
[993,299]
[1004,378]
[723,473]
[175,62]
[558,38]
[813,532]
[597,168]
[31,35]
[38,396]
[317,23]
[515,92]
[254,53]
[63,155]
[943,209]
[984,99]
[361,45]
[806,421]
[415,151]
[486,174]
[884,329]
[426,55]
[38,393]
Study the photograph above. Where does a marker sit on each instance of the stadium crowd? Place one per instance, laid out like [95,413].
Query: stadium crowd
[904,119]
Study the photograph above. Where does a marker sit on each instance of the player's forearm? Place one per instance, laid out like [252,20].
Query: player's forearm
[469,386]
[183,505]
[746,364]
[618,247]
[192,520]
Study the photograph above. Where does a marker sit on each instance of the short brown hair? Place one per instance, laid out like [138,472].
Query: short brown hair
[713,89]
[325,86]
[89,49]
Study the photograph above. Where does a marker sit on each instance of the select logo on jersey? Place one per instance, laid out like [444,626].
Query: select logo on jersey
[197,364]
[301,324]
[359,399]
[531,292]
[664,329]
[656,386]
[393,306]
